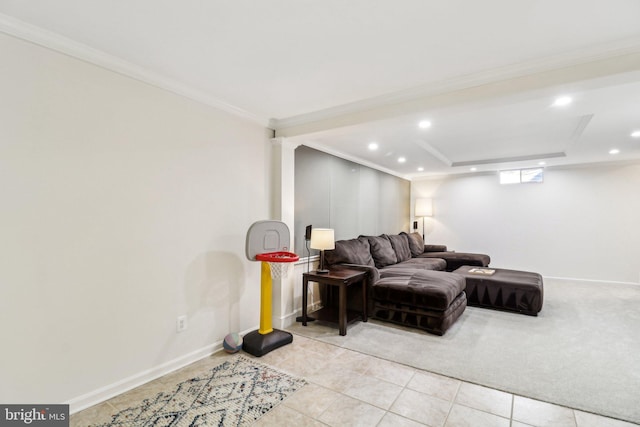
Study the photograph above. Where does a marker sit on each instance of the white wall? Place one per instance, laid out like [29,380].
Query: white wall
[582,222]
[122,207]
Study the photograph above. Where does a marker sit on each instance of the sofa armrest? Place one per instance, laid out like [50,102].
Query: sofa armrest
[354,295]
[435,248]
[373,273]
[457,259]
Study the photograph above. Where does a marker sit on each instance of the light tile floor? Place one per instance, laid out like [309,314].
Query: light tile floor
[346,388]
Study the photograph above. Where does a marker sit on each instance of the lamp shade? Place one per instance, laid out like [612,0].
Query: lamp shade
[322,238]
[424,207]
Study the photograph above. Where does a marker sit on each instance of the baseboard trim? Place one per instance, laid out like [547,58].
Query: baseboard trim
[109,391]
[591,281]
[290,318]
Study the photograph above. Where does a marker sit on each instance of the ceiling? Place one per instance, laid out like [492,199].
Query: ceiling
[337,75]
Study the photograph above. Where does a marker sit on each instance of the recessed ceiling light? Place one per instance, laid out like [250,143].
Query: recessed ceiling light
[373,146]
[420,169]
[401,160]
[562,101]
[614,151]
[424,124]
[635,134]
[473,169]
[542,163]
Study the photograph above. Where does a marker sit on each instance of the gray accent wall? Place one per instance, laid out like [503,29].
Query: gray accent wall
[331,192]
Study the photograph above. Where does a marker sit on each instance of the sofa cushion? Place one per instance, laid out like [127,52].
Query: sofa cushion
[393,271]
[353,251]
[416,244]
[433,290]
[400,245]
[437,264]
[410,267]
[382,251]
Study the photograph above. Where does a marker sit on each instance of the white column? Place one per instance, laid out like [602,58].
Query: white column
[282,209]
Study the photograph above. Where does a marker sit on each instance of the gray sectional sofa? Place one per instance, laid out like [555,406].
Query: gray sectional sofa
[410,283]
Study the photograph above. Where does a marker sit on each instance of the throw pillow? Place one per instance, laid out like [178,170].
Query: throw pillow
[416,244]
[354,251]
[382,251]
[400,244]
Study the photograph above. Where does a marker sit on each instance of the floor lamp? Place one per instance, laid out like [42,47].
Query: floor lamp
[424,207]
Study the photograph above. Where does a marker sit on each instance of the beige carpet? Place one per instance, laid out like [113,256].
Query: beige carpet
[582,351]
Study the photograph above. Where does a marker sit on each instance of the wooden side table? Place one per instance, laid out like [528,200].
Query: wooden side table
[342,278]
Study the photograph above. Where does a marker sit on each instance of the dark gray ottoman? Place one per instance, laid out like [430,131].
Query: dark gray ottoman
[429,300]
[512,290]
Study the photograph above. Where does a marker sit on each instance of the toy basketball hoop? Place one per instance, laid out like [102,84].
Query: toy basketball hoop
[268,242]
[279,262]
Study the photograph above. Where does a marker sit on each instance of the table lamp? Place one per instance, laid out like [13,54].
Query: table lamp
[322,239]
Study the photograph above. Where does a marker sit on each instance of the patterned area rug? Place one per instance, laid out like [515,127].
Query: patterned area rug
[235,393]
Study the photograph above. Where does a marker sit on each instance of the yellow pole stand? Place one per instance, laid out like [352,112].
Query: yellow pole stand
[266,285]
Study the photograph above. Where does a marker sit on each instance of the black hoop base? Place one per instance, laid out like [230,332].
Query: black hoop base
[258,345]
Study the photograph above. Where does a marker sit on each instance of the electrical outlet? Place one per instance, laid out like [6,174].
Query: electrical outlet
[181,323]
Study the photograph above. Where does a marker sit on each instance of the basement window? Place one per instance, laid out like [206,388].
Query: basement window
[522,176]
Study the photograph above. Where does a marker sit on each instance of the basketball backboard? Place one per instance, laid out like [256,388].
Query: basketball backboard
[266,236]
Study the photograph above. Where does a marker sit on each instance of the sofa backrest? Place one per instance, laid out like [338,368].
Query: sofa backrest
[400,244]
[353,251]
[382,251]
[376,251]
[416,243]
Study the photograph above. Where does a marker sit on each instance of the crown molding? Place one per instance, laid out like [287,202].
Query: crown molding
[599,52]
[48,39]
